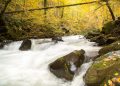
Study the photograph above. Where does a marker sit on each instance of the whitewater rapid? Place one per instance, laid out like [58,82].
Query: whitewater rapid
[30,68]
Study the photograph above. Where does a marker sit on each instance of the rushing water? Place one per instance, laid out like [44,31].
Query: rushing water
[30,68]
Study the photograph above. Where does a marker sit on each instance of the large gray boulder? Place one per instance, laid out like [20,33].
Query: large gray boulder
[66,66]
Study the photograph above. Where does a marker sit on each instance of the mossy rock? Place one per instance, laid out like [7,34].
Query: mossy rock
[92,34]
[112,47]
[103,69]
[108,27]
[62,66]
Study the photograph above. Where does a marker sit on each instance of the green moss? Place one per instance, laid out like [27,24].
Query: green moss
[109,48]
[108,27]
[102,70]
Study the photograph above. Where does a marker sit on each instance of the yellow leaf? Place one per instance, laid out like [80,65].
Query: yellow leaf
[110,82]
[114,79]
[116,74]
[105,84]
[104,64]
[107,59]
[118,80]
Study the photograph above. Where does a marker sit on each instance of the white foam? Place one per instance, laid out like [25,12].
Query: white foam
[30,68]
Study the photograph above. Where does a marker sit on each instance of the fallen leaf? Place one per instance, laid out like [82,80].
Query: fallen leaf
[116,74]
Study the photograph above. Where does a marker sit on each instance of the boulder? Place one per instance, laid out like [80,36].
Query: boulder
[26,45]
[56,39]
[1,45]
[112,47]
[66,66]
[103,70]
[104,39]
[92,34]
[101,40]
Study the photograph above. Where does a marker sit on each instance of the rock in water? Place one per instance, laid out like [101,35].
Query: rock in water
[103,70]
[112,47]
[1,45]
[66,66]
[26,45]
[5,42]
[56,39]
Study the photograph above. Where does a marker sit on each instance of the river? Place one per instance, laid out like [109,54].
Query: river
[30,68]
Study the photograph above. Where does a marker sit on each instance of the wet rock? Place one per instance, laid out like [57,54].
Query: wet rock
[56,39]
[110,40]
[66,66]
[26,45]
[1,45]
[5,42]
[101,40]
[103,69]
[112,47]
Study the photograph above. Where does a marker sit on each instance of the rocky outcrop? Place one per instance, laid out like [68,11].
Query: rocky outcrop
[103,70]
[109,34]
[26,45]
[66,66]
[112,47]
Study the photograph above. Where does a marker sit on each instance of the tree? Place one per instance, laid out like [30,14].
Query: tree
[110,9]
[2,21]
[45,10]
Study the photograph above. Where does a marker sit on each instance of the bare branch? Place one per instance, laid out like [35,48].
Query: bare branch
[52,7]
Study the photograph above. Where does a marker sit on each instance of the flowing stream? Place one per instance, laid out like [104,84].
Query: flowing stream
[30,68]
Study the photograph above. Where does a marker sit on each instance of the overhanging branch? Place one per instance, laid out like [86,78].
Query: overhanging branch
[52,7]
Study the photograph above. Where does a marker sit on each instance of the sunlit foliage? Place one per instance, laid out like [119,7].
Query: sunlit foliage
[76,18]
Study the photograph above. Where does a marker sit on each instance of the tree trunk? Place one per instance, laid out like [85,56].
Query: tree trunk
[45,10]
[110,10]
[2,20]
[62,13]
[5,7]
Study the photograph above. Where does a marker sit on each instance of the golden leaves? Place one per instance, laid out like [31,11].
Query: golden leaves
[113,81]
[110,58]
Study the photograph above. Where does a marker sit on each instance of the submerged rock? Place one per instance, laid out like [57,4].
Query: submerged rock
[103,69]
[56,39]
[112,47]
[66,66]
[26,45]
